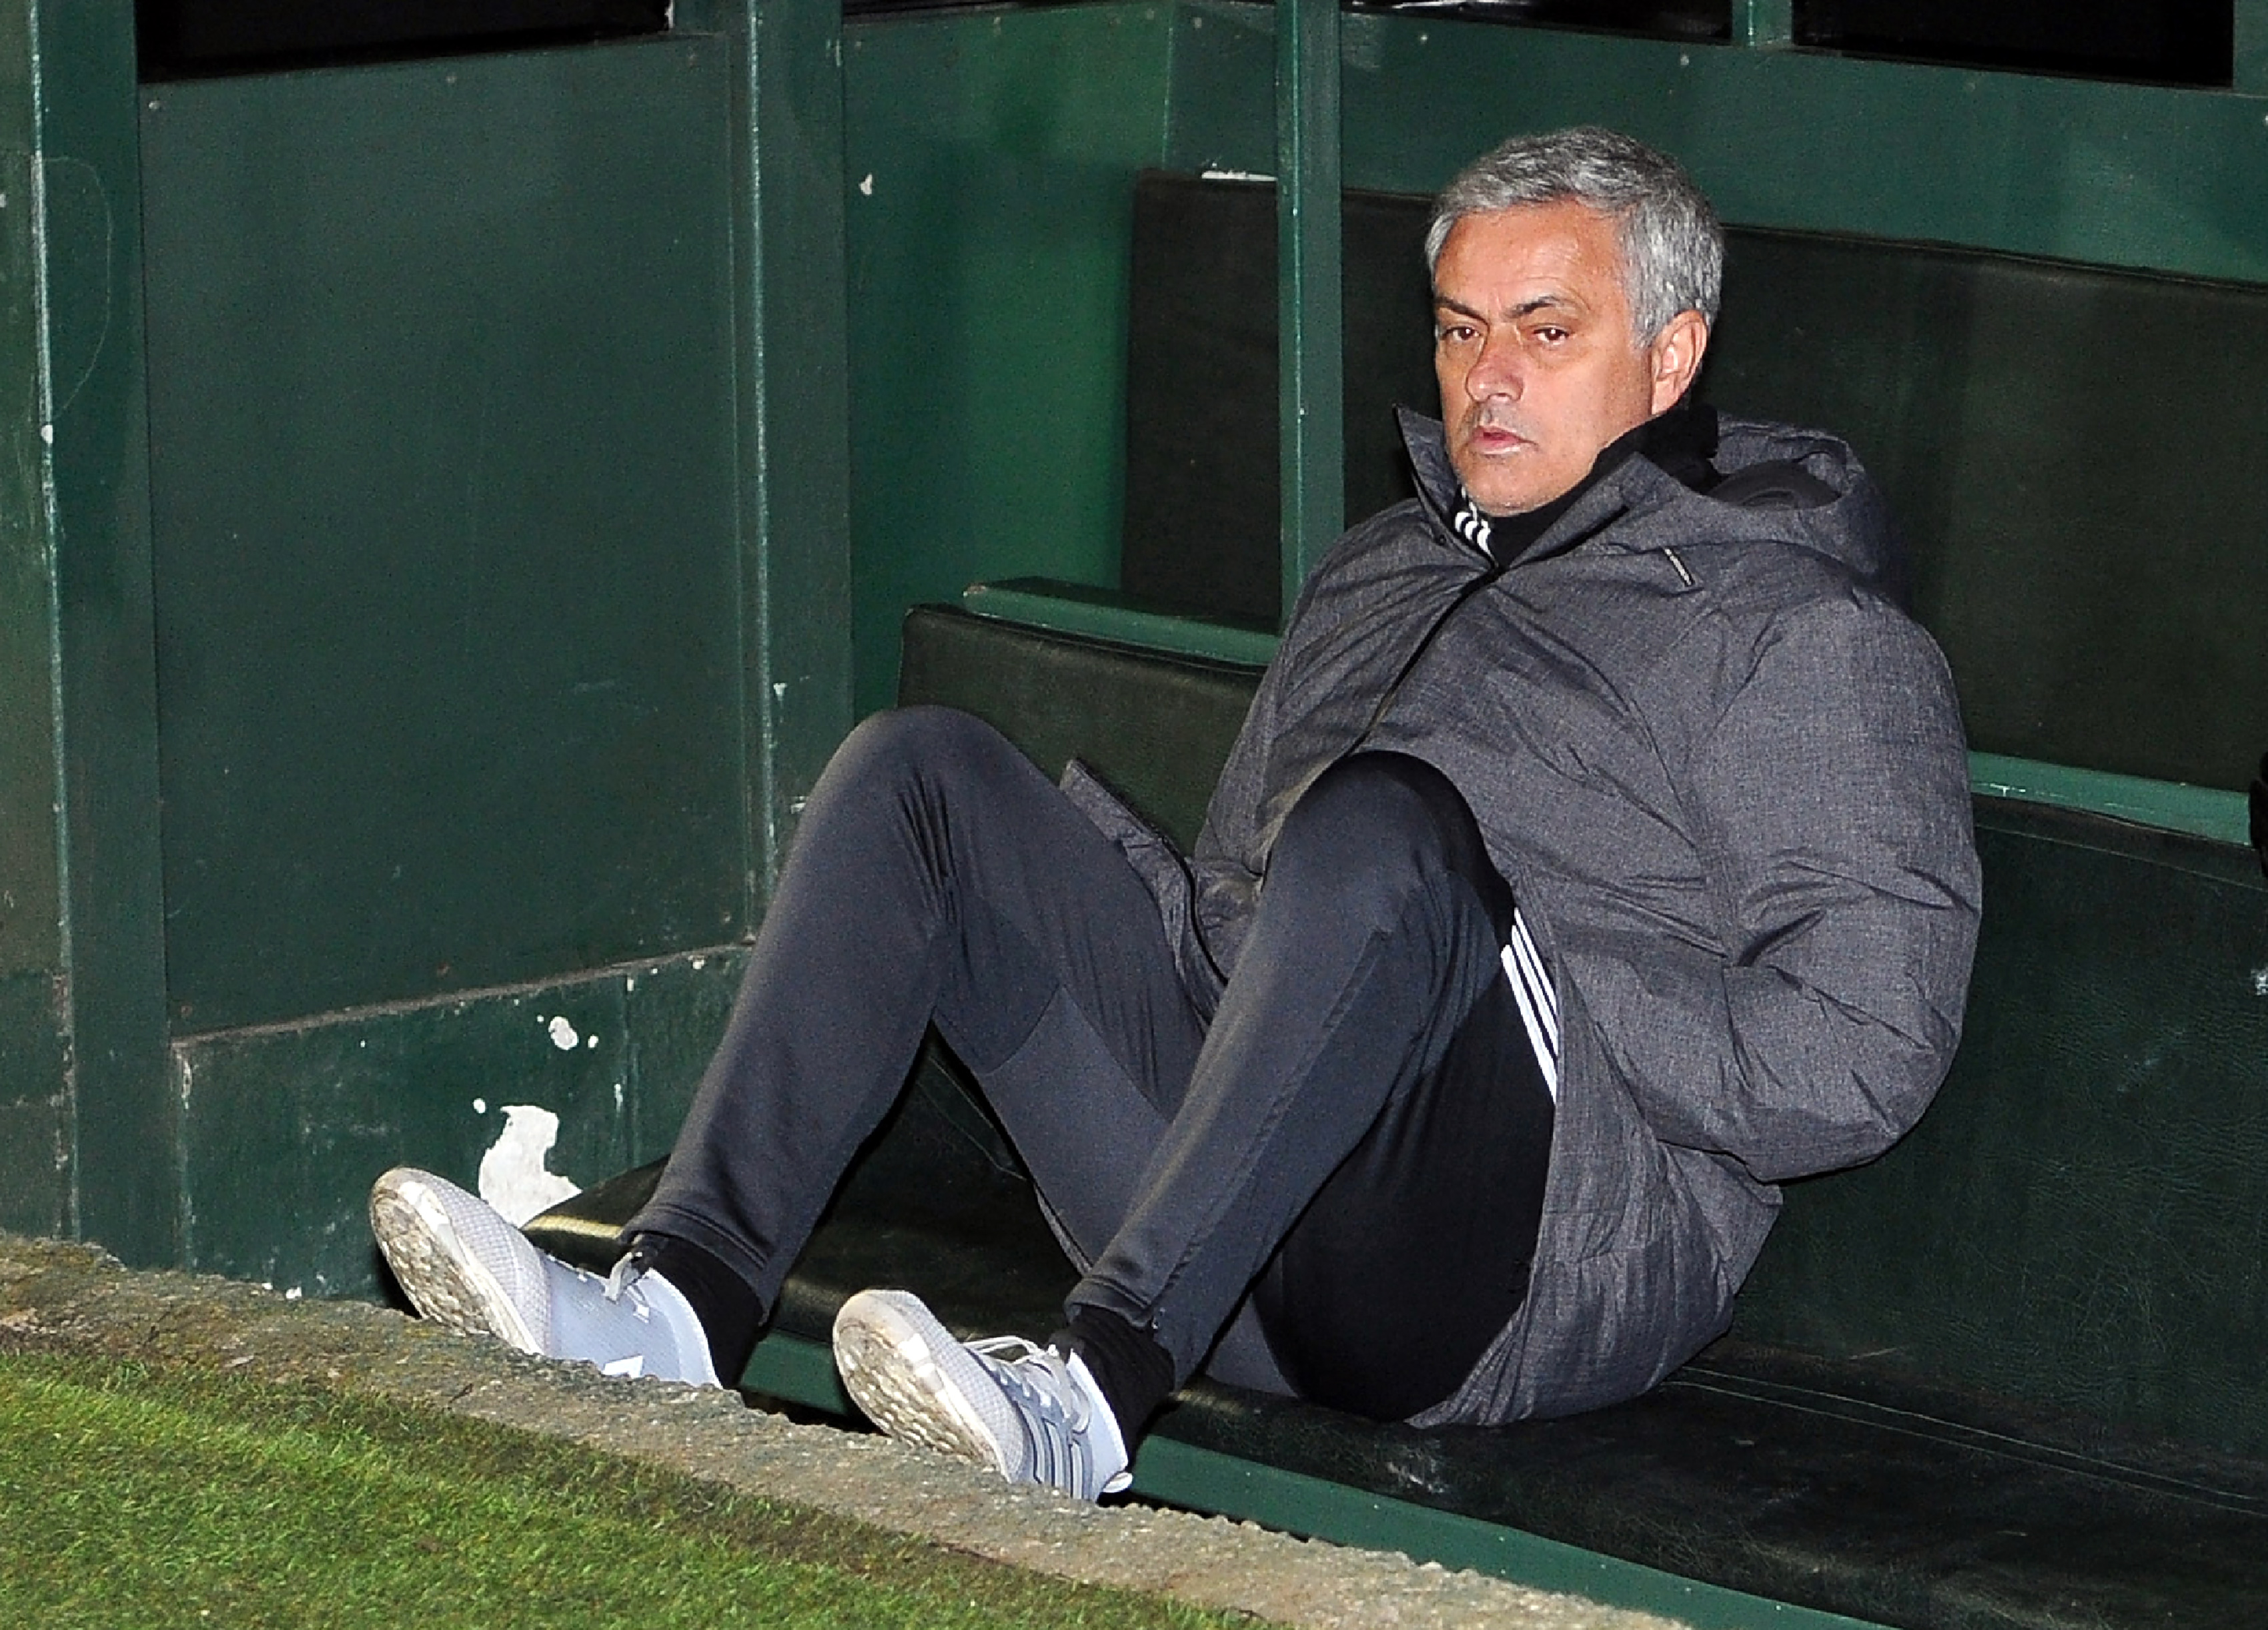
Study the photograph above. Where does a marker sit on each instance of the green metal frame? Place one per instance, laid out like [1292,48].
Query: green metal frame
[792,376]
[1309,350]
[83,526]
[1763,24]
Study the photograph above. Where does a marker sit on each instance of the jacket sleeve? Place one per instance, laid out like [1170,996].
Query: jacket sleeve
[1830,804]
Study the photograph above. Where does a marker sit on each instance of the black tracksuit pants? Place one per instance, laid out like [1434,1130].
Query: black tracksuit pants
[1343,1170]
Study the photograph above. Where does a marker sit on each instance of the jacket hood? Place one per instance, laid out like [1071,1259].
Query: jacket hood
[1798,488]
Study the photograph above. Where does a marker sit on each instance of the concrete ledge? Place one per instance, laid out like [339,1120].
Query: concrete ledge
[75,1297]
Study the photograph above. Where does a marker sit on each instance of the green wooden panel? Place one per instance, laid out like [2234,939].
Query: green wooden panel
[286,1126]
[31,906]
[990,179]
[31,903]
[1073,608]
[444,464]
[1763,23]
[673,1014]
[35,1129]
[2251,46]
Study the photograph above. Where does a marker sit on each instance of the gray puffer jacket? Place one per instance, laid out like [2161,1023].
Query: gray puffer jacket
[1724,774]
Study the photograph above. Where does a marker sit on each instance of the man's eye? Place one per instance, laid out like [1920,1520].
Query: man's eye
[1452,333]
[1550,335]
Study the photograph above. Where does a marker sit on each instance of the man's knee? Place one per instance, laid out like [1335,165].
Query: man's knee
[1383,826]
[1380,807]
[914,745]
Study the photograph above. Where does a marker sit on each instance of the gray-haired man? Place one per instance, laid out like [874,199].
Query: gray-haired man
[1595,855]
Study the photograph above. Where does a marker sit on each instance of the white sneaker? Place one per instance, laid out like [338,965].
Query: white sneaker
[461,1264]
[1027,1413]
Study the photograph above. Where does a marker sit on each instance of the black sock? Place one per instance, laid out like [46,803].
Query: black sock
[1135,1373]
[728,1311]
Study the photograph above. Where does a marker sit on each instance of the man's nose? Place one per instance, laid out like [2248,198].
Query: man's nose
[1496,372]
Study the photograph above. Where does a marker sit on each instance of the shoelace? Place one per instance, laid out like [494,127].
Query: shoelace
[1017,1357]
[1053,1404]
[630,1268]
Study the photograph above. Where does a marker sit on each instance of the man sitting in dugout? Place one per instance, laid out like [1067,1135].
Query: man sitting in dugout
[1595,856]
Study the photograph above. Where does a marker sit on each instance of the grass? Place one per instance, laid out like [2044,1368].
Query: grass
[133,1496]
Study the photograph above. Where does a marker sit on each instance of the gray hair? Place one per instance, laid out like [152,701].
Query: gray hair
[1673,248]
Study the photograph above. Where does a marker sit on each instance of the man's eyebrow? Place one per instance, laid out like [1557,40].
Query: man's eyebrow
[1542,302]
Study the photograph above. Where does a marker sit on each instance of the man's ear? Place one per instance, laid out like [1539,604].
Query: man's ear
[1674,357]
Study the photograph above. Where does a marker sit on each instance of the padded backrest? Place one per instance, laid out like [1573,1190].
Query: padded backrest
[2074,452]
[1157,727]
[2081,1220]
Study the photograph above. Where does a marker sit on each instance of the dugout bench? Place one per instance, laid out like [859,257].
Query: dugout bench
[2015,1372]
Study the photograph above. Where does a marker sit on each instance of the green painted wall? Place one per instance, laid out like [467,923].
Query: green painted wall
[495,617]
[502,563]
[990,167]
[495,623]
[447,558]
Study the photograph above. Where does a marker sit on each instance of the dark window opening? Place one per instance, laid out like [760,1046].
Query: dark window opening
[1662,19]
[2153,42]
[184,38]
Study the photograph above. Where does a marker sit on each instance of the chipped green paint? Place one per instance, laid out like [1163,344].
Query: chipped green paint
[1763,24]
[285,1125]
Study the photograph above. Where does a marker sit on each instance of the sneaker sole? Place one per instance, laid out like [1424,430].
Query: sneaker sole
[889,1354]
[438,1271]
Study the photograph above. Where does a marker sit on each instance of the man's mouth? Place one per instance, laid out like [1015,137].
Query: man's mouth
[1485,436]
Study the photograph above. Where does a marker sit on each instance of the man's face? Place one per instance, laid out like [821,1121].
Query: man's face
[1538,366]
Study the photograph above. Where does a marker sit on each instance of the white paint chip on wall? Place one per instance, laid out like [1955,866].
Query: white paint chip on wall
[513,1176]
